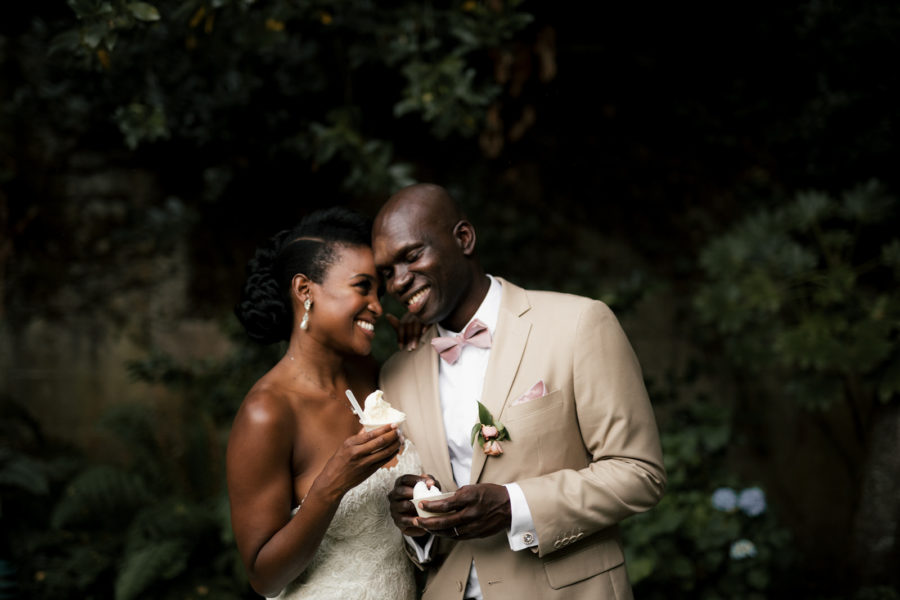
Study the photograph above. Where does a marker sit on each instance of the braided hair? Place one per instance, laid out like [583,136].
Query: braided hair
[310,248]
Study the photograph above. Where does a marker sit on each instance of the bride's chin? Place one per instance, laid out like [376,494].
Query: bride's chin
[363,349]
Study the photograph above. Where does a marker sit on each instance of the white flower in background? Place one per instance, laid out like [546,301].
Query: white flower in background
[724,499]
[742,549]
[752,501]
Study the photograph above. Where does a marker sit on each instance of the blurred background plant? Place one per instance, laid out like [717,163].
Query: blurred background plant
[802,300]
[800,309]
[704,541]
[643,158]
[148,518]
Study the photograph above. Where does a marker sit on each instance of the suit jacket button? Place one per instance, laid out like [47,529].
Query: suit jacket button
[459,586]
[528,538]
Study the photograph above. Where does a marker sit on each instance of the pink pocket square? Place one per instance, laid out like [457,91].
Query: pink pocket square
[536,391]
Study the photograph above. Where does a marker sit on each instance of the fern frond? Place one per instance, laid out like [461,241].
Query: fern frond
[132,423]
[174,520]
[71,566]
[221,511]
[199,461]
[162,560]
[136,426]
[101,495]
[21,471]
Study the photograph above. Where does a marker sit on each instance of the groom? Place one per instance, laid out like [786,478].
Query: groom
[534,516]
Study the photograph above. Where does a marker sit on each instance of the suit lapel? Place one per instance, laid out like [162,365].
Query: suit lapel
[432,442]
[506,355]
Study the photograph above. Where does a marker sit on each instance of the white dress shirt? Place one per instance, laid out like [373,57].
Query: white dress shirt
[460,386]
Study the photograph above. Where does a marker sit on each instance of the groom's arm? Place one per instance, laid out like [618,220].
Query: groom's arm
[616,425]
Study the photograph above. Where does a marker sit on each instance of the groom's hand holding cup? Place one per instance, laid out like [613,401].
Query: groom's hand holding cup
[402,510]
[474,511]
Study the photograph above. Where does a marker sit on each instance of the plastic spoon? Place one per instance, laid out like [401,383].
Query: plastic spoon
[356,408]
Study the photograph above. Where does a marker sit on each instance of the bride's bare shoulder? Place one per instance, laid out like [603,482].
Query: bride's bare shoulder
[266,405]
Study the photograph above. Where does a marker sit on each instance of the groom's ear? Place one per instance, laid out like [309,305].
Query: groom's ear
[464,235]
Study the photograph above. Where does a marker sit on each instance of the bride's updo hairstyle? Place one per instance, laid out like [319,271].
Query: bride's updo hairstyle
[310,248]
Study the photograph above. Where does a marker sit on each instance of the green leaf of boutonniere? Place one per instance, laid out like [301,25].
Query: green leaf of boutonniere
[484,415]
[476,432]
[486,418]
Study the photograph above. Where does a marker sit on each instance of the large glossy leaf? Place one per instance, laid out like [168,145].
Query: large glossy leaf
[143,11]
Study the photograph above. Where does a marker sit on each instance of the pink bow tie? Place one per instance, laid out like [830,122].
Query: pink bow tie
[450,347]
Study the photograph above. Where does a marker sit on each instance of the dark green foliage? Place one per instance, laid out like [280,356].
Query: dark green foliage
[802,300]
[24,472]
[682,547]
[212,387]
[881,592]
[319,75]
[148,518]
[102,497]
[33,472]
[8,584]
[150,563]
[808,291]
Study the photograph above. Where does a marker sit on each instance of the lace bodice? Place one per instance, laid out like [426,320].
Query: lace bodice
[362,555]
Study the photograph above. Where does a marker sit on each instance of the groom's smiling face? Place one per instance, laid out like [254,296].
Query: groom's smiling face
[420,260]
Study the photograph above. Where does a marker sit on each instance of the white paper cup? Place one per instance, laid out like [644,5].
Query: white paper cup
[424,513]
[371,426]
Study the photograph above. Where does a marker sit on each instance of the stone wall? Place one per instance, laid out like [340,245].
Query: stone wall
[100,277]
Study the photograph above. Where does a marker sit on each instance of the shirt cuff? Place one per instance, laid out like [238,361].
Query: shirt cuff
[422,552]
[522,533]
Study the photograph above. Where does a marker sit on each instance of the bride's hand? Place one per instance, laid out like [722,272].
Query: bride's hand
[358,457]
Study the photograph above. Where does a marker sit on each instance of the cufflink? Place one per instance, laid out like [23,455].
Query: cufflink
[528,538]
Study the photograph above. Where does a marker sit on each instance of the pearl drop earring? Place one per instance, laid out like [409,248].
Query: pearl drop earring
[304,322]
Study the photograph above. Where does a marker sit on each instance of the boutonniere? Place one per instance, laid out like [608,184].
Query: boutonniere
[489,432]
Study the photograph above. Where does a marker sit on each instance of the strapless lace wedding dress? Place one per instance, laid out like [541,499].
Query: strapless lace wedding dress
[362,555]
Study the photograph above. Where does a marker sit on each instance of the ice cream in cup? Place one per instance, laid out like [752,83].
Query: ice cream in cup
[421,491]
[378,412]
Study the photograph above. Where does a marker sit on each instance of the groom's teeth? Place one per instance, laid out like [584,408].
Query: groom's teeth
[366,325]
[416,297]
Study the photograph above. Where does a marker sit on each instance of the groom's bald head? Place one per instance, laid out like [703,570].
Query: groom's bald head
[425,251]
[427,201]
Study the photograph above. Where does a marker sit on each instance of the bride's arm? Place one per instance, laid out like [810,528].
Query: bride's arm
[274,547]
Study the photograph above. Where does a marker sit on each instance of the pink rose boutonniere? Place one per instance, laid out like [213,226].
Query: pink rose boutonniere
[489,432]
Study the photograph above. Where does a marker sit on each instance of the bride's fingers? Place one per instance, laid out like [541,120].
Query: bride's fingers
[382,454]
[377,438]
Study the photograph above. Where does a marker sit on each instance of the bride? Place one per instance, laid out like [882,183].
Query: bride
[307,484]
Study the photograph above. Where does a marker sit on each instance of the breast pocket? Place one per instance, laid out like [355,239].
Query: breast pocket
[532,413]
[537,429]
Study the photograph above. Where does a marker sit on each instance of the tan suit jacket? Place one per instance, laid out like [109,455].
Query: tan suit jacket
[586,454]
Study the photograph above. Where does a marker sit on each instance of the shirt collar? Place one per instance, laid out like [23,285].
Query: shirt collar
[488,313]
